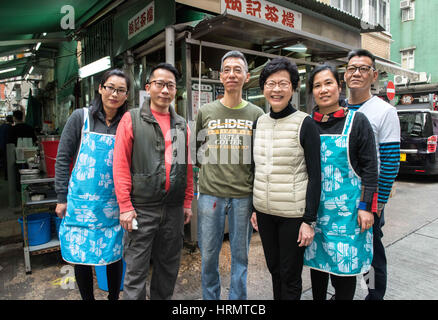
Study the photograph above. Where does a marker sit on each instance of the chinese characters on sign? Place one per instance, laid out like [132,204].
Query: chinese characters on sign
[263,12]
[141,20]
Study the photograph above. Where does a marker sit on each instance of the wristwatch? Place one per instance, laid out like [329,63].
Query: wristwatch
[312,224]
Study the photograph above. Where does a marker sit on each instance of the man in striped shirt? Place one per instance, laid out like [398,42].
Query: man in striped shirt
[360,74]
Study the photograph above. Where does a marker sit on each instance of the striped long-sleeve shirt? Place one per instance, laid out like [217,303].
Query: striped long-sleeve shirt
[389,165]
[386,126]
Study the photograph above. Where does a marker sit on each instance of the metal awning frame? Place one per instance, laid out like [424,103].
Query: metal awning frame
[32,41]
[283,38]
[391,67]
[246,51]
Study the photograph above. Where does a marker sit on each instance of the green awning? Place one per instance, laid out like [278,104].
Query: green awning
[21,67]
[23,20]
[33,17]
[33,111]
[66,70]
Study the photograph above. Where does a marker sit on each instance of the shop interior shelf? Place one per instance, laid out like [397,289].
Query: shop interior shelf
[52,244]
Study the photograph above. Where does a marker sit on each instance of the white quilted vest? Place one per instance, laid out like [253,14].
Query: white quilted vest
[280,181]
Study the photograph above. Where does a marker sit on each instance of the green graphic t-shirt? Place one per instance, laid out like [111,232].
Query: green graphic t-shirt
[224,139]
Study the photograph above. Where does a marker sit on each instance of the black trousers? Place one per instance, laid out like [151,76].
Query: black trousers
[344,286]
[84,279]
[284,258]
[378,274]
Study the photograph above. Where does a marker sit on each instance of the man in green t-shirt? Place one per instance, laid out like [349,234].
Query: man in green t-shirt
[224,138]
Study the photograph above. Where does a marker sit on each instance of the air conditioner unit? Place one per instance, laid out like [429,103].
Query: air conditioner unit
[400,80]
[421,78]
[405,4]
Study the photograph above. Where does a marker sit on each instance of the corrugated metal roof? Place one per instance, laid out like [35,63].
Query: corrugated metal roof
[336,14]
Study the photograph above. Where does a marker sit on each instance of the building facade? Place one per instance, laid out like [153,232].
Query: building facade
[373,12]
[415,45]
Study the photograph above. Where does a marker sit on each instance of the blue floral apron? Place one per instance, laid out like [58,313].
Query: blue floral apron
[338,246]
[90,232]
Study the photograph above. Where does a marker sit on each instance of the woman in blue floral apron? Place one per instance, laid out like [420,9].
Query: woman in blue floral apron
[343,242]
[90,233]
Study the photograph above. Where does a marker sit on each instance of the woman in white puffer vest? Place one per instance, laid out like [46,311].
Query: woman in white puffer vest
[287,180]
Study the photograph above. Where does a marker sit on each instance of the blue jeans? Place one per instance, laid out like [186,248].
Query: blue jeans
[211,224]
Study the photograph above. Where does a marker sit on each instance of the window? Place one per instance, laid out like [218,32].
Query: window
[336,3]
[408,13]
[346,6]
[382,13]
[357,8]
[408,59]
[413,124]
[435,123]
[353,7]
[372,19]
[372,11]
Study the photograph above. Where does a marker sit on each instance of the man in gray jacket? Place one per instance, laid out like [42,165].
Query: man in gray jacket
[154,186]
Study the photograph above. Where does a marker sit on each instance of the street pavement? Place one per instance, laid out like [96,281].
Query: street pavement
[410,238]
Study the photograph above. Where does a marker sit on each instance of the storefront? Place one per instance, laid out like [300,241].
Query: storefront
[194,40]
[260,29]
[139,34]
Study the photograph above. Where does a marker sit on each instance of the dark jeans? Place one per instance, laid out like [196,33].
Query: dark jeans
[344,286]
[84,279]
[378,275]
[283,256]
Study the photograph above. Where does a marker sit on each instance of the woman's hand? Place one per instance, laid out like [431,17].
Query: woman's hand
[60,209]
[306,234]
[126,219]
[365,219]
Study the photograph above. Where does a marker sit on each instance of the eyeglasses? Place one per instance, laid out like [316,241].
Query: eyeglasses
[362,69]
[282,84]
[161,84]
[111,90]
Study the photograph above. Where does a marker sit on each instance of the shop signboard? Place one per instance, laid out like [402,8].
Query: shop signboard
[206,94]
[141,21]
[265,12]
[418,98]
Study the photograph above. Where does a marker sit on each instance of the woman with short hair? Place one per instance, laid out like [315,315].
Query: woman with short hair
[287,179]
